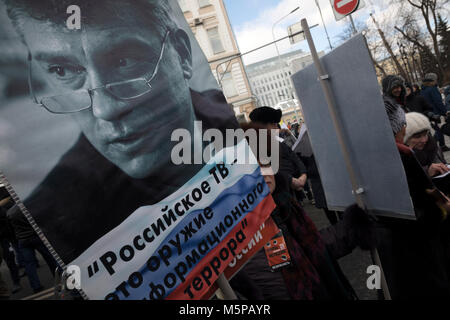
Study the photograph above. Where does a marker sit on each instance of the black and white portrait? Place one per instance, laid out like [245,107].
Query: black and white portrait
[90,139]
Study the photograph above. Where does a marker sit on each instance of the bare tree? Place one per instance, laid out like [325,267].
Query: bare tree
[389,49]
[429,11]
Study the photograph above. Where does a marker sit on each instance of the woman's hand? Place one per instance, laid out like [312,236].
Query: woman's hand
[437,169]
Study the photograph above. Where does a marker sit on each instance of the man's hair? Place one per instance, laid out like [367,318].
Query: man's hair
[154,13]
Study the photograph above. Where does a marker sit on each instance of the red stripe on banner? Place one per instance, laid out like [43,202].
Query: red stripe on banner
[196,284]
[267,233]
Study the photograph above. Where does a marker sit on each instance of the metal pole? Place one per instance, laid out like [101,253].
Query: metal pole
[355,180]
[253,50]
[355,31]
[227,291]
[278,52]
[323,22]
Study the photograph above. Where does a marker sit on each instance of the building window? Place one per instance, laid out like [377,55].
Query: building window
[229,90]
[214,39]
[203,3]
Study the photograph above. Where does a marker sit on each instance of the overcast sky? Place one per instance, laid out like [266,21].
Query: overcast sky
[252,22]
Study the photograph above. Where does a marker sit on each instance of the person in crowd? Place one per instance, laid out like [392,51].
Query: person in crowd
[29,242]
[418,137]
[447,98]
[417,103]
[416,88]
[4,291]
[426,149]
[314,273]
[7,237]
[305,152]
[413,252]
[295,130]
[269,118]
[287,136]
[432,95]
[394,93]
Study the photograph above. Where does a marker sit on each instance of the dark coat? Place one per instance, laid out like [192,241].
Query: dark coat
[290,163]
[314,272]
[413,253]
[434,98]
[316,182]
[447,97]
[417,103]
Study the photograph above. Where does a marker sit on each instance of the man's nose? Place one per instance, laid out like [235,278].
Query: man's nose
[105,106]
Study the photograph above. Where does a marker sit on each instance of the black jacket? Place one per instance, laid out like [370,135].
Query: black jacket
[290,163]
[413,253]
[20,225]
[417,103]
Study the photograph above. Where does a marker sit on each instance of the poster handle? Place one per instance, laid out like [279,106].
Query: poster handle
[224,285]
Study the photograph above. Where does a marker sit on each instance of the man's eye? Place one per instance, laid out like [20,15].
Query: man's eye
[126,62]
[123,62]
[60,71]
[65,72]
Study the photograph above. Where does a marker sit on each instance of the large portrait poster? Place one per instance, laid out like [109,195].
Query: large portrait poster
[87,114]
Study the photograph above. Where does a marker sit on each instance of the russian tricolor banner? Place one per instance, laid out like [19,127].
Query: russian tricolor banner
[177,248]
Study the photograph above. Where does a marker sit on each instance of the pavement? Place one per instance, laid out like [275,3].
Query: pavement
[26,293]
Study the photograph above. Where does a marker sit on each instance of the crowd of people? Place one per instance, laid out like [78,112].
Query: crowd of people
[415,254]
[19,244]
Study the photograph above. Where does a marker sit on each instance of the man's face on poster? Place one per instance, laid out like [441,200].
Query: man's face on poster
[134,134]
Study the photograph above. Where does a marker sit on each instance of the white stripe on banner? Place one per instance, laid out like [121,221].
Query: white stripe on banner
[99,283]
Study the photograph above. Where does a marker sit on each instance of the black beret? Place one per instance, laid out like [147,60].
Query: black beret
[266,115]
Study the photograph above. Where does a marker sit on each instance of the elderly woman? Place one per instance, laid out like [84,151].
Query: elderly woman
[414,253]
[314,273]
[418,137]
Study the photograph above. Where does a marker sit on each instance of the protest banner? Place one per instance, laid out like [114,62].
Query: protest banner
[365,127]
[265,233]
[345,143]
[177,248]
[89,156]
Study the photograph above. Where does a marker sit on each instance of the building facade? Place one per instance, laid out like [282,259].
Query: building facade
[270,79]
[210,24]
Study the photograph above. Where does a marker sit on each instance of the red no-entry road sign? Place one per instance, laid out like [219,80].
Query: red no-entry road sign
[345,7]
[342,8]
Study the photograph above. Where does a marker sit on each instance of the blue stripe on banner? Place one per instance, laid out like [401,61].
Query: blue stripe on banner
[221,208]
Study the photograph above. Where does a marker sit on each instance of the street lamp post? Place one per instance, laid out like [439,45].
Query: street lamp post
[276,46]
[273,29]
[323,22]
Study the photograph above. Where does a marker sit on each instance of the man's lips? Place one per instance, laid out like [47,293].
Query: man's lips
[131,143]
[134,141]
